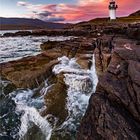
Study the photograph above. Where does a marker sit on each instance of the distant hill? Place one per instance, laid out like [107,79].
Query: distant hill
[87,25]
[25,23]
[137,13]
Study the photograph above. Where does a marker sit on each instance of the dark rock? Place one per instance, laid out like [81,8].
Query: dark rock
[49,45]
[114,109]
[5,138]
[133,71]
[8,34]
[9,120]
[57,32]
[9,88]
[55,100]
[102,52]
[34,133]
[137,13]
[134,33]
[28,72]
[6,87]
[22,33]
[19,33]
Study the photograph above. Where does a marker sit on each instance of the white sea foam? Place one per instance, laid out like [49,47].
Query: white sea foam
[81,84]
[28,105]
[32,115]
[13,48]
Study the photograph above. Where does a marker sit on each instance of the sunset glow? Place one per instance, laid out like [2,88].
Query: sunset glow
[63,10]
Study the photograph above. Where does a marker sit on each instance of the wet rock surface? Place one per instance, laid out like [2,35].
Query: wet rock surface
[113,111]
[9,120]
[55,100]
[30,72]
[34,133]
[66,32]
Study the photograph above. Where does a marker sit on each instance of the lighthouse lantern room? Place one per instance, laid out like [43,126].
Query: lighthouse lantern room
[112,9]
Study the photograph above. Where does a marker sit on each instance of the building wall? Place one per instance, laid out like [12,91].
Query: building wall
[112,13]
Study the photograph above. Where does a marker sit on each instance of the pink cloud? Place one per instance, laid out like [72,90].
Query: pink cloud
[83,9]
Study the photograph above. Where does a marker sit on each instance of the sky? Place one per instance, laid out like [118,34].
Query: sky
[64,10]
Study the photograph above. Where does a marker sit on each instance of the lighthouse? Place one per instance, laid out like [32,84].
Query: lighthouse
[112,9]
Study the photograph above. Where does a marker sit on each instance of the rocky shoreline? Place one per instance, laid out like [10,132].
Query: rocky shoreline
[36,68]
[113,111]
[32,72]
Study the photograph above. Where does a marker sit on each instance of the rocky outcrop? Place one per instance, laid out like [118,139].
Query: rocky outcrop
[9,121]
[114,109]
[66,32]
[28,72]
[55,100]
[102,52]
[130,30]
[137,13]
[6,87]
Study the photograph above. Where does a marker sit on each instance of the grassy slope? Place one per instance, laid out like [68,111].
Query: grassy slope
[107,21]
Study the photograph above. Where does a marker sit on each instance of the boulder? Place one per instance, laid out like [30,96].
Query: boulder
[55,100]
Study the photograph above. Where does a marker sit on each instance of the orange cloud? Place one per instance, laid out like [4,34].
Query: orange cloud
[90,2]
[83,9]
[78,12]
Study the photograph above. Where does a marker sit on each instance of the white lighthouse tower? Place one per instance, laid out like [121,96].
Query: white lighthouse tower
[112,9]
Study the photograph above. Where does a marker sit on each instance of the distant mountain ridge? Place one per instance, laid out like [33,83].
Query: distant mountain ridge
[134,17]
[28,23]
[137,13]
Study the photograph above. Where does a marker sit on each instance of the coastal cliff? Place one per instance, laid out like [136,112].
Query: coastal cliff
[114,109]
[53,88]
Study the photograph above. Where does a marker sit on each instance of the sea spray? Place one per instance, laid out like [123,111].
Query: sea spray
[82,83]
[32,115]
[29,107]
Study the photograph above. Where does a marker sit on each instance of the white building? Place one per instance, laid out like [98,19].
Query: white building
[112,9]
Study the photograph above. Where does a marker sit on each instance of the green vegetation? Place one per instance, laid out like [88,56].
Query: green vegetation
[107,21]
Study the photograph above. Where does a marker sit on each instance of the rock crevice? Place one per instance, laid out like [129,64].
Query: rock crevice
[114,109]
